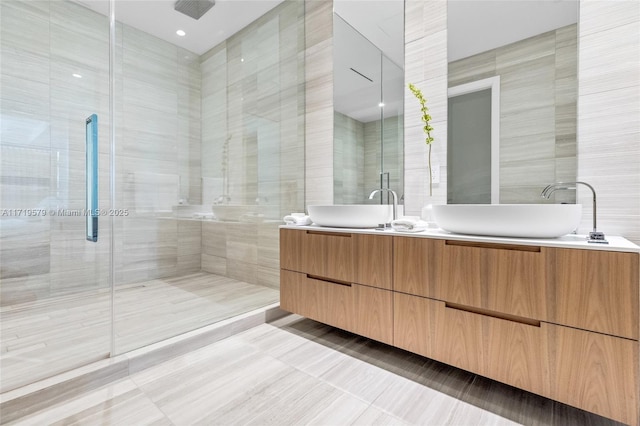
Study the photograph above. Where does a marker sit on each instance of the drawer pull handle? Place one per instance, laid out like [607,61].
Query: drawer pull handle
[343,283]
[493,314]
[534,249]
[332,234]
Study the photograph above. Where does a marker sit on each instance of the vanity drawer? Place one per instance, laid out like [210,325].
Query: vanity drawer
[360,309]
[596,372]
[416,265]
[504,278]
[597,291]
[359,258]
[517,353]
[414,321]
[513,351]
[318,253]
[373,260]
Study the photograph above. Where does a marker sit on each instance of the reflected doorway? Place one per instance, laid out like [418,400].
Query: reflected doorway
[473,165]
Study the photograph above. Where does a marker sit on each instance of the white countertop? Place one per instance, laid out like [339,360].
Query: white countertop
[567,241]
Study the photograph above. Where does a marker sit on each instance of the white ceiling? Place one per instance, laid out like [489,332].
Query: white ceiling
[157,17]
[473,25]
[362,30]
[359,70]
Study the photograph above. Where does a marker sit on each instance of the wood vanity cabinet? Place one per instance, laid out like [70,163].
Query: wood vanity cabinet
[595,298]
[340,279]
[559,322]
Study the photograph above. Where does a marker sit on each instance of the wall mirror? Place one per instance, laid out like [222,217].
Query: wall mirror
[368,99]
[512,100]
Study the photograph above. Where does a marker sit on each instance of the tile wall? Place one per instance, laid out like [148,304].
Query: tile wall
[389,132]
[318,69]
[348,160]
[425,66]
[358,148]
[252,156]
[158,160]
[609,114]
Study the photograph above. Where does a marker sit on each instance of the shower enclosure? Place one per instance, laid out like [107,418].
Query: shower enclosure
[199,154]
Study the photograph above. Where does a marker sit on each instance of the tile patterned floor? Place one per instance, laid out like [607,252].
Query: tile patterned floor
[299,372]
[49,336]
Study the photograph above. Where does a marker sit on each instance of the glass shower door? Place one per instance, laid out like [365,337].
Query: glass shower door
[208,160]
[55,293]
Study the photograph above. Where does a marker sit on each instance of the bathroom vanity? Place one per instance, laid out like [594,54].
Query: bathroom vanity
[556,317]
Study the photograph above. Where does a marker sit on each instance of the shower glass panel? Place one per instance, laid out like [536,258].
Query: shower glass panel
[200,152]
[209,158]
[55,294]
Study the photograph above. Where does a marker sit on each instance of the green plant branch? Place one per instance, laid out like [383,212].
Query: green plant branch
[425,117]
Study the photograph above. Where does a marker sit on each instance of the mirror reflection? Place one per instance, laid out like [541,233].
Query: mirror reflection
[368,99]
[512,100]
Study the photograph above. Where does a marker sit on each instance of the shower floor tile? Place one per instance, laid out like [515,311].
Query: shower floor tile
[50,336]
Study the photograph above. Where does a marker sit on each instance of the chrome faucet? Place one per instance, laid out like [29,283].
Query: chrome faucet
[393,193]
[594,236]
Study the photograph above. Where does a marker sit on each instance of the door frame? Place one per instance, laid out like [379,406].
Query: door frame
[492,83]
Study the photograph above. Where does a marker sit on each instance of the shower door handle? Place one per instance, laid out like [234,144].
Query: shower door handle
[91,211]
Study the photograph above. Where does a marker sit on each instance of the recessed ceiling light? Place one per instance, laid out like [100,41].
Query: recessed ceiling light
[76,75]
[381,104]
[181,33]
[241,59]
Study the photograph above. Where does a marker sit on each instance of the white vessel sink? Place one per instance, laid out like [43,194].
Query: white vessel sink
[352,215]
[509,220]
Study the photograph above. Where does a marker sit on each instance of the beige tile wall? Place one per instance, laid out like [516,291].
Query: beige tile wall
[392,132]
[609,114]
[357,150]
[318,69]
[253,142]
[158,159]
[349,160]
[426,67]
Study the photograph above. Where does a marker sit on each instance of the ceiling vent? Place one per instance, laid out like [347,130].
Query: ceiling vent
[194,8]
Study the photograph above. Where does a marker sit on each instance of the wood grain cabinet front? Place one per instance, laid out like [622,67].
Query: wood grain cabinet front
[328,255]
[360,309]
[596,372]
[322,254]
[499,277]
[416,265]
[512,351]
[596,290]
[342,256]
